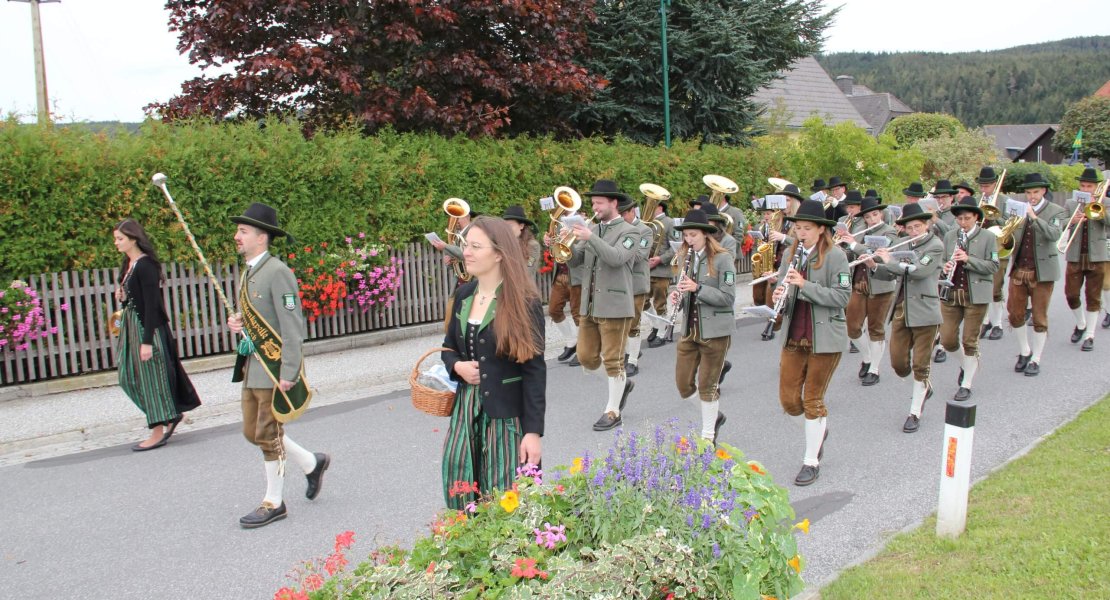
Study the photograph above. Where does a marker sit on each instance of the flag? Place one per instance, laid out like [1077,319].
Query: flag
[1078,143]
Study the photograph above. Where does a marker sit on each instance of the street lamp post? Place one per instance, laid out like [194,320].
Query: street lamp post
[663,4]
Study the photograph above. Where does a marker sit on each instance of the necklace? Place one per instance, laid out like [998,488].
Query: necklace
[483,297]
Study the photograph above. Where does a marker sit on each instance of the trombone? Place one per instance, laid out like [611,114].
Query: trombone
[990,208]
[1092,211]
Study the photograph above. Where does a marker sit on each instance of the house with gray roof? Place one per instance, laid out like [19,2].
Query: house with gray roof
[1025,143]
[878,109]
[806,90]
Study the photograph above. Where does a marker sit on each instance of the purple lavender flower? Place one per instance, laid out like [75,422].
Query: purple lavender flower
[716,550]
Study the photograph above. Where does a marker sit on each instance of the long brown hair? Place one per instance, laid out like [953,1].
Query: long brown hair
[712,247]
[134,231]
[824,244]
[517,337]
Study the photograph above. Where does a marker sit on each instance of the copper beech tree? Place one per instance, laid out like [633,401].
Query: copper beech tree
[475,67]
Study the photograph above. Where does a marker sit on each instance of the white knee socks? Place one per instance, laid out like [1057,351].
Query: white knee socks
[970,364]
[995,316]
[1092,325]
[301,457]
[864,348]
[616,390]
[274,483]
[1080,318]
[917,401]
[815,434]
[1021,332]
[633,348]
[876,351]
[709,418]
[569,331]
[1039,339]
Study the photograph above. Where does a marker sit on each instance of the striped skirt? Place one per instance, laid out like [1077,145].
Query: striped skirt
[478,449]
[150,384]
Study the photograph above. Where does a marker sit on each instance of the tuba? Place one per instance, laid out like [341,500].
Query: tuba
[1005,235]
[721,186]
[655,194]
[456,209]
[990,207]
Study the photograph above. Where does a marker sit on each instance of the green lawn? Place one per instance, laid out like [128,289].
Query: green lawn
[1039,528]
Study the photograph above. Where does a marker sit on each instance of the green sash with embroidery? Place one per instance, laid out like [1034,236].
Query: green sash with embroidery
[261,340]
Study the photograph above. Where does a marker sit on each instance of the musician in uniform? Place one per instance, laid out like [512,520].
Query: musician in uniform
[1034,269]
[661,273]
[815,287]
[452,252]
[740,226]
[526,228]
[760,297]
[782,241]
[850,204]
[270,362]
[566,291]
[915,314]
[988,185]
[871,296]
[641,283]
[973,260]
[1086,257]
[944,194]
[838,190]
[705,291]
[606,251]
[963,190]
[726,241]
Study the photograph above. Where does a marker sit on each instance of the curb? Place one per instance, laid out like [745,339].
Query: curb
[220,361]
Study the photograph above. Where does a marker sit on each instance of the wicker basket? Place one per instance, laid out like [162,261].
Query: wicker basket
[434,402]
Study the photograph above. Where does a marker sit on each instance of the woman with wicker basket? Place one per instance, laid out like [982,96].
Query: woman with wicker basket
[494,350]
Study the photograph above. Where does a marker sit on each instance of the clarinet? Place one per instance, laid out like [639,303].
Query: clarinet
[682,300]
[796,264]
[945,291]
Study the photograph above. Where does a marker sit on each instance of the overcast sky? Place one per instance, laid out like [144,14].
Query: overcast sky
[106,59]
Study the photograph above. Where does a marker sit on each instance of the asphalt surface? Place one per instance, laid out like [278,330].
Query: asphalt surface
[109,523]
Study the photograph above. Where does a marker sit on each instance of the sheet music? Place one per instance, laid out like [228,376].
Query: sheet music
[775,201]
[678,221]
[570,221]
[929,203]
[1081,197]
[901,255]
[547,203]
[876,241]
[841,229]
[432,236]
[757,235]
[656,320]
[1016,208]
[818,196]
[764,312]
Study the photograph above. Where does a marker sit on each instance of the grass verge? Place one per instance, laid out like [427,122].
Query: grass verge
[1038,528]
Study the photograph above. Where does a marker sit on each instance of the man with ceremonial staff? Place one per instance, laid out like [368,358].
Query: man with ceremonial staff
[1034,269]
[967,289]
[270,362]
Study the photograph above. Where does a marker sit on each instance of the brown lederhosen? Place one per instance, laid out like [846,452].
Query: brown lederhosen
[874,309]
[638,303]
[259,425]
[1023,285]
[803,379]
[701,360]
[563,292]
[660,286]
[911,348]
[602,341]
[1074,276]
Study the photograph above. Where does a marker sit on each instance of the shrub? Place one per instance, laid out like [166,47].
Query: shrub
[918,127]
[956,156]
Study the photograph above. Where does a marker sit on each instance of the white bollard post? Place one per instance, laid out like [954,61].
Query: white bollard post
[955,468]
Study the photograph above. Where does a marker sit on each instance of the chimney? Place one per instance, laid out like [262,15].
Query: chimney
[845,83]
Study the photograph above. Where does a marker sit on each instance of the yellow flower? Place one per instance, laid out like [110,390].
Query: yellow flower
[576,466]
[796,562]
[722,454]
[803,525]
[510,501]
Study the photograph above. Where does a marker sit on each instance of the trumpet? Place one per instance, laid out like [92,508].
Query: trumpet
[456,209]
[562,251]
[654,194]
[866,257]
[990,208]
[1093,211]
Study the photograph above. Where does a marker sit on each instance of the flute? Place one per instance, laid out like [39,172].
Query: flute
[866,257]
[869,229]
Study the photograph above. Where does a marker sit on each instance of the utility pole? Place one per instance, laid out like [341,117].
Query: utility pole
[663,4]
[43,100]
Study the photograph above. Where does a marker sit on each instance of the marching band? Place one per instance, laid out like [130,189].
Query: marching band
[935,274]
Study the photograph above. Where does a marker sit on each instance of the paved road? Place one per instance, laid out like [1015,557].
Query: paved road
[112,524]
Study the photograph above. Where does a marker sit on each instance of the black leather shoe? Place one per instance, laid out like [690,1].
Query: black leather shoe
[1088,345]
[653,335]
[821,450]
[1106,321]
[1022,362]
[607,421]
[171,427]
[630,370]
[262,516]
[141,448]
[316,477]
[628,386]
[863,368]
[960,378]
[852,348]
[940,356]
[962,394]
[721,418]
[657,342]
[996,333]
[1032,369]
[573,362]
[807,475]
[911,424]
[870,379]
[985,330]
[724,371]
[568,352]
[1077,334]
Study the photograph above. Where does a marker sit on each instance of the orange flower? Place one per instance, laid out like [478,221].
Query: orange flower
[803,525]
[510,501]
[796,562]
[723,454]
[754,466]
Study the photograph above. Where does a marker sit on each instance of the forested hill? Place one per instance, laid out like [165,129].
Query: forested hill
[1023,84]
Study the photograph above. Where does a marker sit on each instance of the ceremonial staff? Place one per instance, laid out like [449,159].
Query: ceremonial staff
[159,180]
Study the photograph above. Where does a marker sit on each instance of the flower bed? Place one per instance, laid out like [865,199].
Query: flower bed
[358,274]
[22,317]
[658,516]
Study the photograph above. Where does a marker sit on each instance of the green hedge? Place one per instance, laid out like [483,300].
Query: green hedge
[63,189]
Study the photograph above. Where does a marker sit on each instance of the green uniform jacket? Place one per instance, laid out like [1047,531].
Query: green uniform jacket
[714,298]
[1096,237]
[981,265]
[666,254]
[641,278]
[607,269]
[828,290]
[878,285]
[1047,228]
[949,219]
[272,289]
[922,298]
[857,225]
[534,260]
[729,244]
